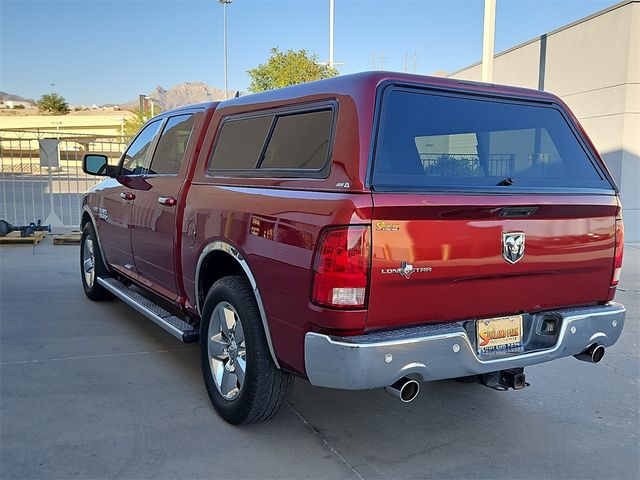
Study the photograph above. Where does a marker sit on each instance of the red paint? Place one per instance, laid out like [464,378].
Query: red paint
[276,222]
[567,261]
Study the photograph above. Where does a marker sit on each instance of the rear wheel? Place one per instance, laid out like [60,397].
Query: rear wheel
[242,381]
[91,265]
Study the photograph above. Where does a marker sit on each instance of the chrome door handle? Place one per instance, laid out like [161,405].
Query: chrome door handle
[127,196]
[167,201]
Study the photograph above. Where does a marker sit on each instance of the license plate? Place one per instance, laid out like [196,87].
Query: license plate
[499,333]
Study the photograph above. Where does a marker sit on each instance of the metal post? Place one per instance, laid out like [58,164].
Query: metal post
[331,15]
[488,39]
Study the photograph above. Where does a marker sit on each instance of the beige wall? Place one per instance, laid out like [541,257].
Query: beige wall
[594,66]
[89,124]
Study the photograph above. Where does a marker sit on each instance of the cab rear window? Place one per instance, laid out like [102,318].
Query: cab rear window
[440,141]
[278,143]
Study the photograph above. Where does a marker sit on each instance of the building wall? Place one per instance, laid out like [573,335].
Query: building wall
[110,125]
[594,66]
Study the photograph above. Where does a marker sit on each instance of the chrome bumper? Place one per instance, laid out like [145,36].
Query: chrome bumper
[440,351]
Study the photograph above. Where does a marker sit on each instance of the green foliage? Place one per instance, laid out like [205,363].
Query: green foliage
[53,103]
[132,125]
[287,68]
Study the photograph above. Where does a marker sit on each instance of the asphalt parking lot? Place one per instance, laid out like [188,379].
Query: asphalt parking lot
[95,390]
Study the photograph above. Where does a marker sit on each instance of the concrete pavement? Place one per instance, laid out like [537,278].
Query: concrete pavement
[95,390]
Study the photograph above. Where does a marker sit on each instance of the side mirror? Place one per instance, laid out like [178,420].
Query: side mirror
[97,164]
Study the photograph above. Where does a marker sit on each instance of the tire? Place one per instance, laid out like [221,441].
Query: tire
[247,387]
[90,254]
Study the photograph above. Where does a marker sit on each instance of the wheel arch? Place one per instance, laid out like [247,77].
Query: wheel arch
[87,217]
[219,259]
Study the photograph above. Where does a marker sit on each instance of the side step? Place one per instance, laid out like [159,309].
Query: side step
[172,324]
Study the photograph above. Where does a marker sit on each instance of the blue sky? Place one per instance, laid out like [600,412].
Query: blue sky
[110,51]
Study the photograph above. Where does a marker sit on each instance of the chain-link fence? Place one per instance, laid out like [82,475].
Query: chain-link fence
[41,174]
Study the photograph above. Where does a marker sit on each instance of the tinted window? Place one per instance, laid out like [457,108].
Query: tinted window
[136,157]
[299,141]
[440,141]
[172,145]
[240,143]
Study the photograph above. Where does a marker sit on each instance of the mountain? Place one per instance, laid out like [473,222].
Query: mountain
[9,97]
[187,93]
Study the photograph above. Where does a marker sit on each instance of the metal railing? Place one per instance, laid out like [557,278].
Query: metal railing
[466,165]
[41,174]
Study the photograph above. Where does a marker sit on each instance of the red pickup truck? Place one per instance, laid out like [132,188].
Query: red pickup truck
[370,230]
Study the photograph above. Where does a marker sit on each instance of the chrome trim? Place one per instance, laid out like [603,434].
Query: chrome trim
[435,352]
[231,250]
[141,308]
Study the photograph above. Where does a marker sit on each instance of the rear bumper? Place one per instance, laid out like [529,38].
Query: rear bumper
[440,351]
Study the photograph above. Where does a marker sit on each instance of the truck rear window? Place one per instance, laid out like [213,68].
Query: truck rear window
[433,141]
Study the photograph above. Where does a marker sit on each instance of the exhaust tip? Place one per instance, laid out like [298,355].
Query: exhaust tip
[409,391]
[592,354]
[405,389]
[597,354]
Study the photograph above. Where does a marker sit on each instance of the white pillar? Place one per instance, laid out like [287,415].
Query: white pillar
[488,38]
[331,14]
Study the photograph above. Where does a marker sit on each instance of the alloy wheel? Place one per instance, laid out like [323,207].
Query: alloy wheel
[88,262]
[227,350]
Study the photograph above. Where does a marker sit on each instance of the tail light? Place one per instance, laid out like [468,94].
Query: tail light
[341,268]
[617,262]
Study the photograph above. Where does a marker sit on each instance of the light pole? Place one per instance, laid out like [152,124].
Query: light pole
[331,15]
[224,6]
[331,63]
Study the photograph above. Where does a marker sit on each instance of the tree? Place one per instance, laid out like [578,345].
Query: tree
[54,103]
[288,68]
[133,124]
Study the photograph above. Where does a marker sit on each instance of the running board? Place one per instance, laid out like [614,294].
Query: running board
[172,324]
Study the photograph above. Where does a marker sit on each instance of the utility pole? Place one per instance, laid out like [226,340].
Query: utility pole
[224,6]
[373,60]
[415,62]
[488,39]
[405,57]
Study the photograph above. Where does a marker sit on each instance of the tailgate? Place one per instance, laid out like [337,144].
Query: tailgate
[483,207]
[436,261]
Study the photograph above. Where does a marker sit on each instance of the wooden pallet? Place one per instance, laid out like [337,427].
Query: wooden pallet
[69,238]
[14,238]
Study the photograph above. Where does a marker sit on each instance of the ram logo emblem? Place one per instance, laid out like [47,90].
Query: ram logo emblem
[512,246]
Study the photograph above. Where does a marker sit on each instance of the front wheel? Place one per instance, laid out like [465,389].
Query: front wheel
[91,265]
[242,381]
